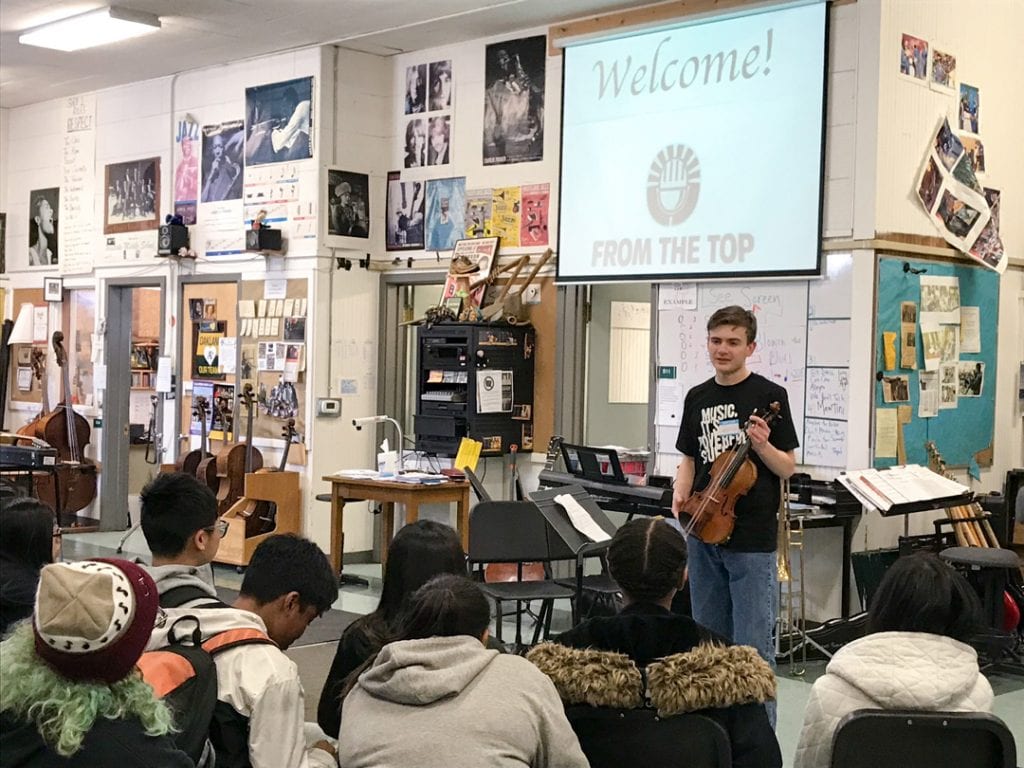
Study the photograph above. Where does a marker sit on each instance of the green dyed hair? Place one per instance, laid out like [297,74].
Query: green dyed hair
[64,711]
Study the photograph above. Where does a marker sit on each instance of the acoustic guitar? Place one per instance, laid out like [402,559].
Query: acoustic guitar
[261,514]
[189,462]
[236,460]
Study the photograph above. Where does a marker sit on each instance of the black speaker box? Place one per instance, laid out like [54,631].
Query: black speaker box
[263,239]
[172,237]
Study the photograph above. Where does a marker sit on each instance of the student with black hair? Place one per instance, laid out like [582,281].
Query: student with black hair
[260,716]
[438,697]
[419,551]
[31,539]
[605,661]
[179,521]
[915,655]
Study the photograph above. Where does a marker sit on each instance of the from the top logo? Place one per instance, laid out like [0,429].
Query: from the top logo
[673,185]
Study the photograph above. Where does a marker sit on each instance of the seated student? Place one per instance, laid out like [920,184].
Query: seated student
[438,697]
[913,657]
[259,720]
[31,539]
[420,551]
[688,667]
[179,521]
[71,696]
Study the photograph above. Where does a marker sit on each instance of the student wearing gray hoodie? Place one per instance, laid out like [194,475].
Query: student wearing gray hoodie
[405,707]
[179,521]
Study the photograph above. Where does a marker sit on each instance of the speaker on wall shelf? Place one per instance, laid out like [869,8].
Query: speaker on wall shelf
[171,239]
[265,239]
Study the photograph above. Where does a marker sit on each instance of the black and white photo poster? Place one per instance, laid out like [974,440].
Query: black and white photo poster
[42,227]
[348,207]
[514,101]
[405,213]
[278,120]
[222,162]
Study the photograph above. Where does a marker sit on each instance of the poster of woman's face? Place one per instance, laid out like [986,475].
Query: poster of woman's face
[42,227]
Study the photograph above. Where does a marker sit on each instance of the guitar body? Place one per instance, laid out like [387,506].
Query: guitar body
[234,461]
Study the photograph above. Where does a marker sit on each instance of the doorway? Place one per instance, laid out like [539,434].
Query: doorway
[618,365]
[134,338]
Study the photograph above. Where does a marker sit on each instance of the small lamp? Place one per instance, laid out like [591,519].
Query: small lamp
[359,423]
[21,333]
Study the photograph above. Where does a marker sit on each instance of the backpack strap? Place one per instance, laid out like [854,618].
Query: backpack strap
[232,638]
[186,593]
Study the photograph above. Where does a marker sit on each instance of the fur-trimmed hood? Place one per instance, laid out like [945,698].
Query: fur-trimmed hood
[708,676]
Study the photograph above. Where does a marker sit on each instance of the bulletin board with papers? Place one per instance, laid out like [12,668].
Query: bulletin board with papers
[935,361]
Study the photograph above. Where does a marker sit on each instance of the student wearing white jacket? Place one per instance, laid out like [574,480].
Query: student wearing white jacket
[913,657]
[259,721]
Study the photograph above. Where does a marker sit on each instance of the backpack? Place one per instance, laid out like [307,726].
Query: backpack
[184,675]
[186,593]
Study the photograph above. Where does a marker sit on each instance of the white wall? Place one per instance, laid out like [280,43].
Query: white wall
[467,125]
[140,120]
[908,115]
[357,138]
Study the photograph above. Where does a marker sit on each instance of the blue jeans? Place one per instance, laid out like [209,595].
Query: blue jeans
[736,595]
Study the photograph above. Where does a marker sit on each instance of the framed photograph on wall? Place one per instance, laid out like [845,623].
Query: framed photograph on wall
[53,289]
[346,199]
[132,199]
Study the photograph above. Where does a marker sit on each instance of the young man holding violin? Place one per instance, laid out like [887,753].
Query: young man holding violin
[733,583]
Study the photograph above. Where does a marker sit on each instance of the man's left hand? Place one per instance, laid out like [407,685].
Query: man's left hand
[758,432]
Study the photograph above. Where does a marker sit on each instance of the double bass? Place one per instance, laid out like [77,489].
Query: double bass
[712,510]
[73,486]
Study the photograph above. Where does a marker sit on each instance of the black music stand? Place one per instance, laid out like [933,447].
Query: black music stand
[574,543]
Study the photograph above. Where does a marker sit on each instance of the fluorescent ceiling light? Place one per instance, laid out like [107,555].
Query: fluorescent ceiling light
[87,30]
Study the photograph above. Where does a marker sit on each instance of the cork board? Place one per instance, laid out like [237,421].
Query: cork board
[20,353]
[223,297]
[277,399]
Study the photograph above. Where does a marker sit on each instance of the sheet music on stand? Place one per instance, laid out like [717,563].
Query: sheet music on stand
[903,489]
[558,517]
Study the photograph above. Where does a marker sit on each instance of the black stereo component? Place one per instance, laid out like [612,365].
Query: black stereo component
[172,238]
[263,239]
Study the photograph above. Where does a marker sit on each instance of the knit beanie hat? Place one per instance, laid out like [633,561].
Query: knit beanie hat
[93,618]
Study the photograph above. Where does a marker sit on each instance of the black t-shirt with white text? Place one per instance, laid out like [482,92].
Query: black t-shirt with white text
[714,416]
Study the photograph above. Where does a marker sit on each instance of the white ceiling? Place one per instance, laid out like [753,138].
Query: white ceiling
[202,33]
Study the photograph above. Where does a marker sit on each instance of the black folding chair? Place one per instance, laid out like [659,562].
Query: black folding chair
[514,532]
[611,738]
[877,738]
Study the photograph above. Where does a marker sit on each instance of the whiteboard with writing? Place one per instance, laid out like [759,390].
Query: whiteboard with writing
[781,311]
[797,347]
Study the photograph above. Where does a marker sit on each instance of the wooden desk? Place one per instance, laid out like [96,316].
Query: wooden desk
[389,493]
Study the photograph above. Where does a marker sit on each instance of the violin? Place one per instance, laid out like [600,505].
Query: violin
[235,460]
[73,486]
[189,462]
[712,510]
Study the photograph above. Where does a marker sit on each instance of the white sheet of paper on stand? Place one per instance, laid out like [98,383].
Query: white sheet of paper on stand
[581,519]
